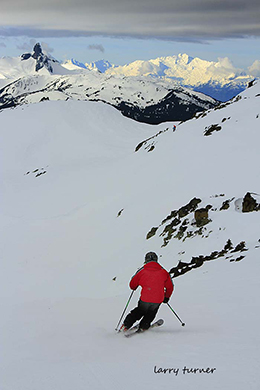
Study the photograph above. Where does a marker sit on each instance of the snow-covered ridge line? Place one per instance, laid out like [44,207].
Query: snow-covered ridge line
[138,98]
[219,79]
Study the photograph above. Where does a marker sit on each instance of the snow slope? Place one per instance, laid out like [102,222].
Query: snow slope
[82,186]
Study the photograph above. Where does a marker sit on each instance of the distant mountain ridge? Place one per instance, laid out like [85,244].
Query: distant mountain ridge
[35,77]
[221,80]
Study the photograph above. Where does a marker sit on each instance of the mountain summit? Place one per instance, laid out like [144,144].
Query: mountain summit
[36,63]
[42,60]
[220,79]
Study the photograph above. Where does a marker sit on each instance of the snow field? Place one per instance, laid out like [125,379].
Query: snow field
[63,243]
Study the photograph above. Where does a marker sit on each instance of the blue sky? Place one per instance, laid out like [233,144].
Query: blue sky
[122,31]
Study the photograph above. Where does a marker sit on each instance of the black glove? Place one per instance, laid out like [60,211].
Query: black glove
[166,300]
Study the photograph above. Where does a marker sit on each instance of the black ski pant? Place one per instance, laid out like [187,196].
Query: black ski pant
[147,310]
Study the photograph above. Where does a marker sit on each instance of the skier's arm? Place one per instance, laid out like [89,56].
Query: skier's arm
[168,287]
[134,282]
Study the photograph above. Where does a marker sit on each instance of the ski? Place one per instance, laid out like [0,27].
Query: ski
[135,329]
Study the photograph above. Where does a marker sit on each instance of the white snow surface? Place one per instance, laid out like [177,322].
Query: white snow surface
[64,241]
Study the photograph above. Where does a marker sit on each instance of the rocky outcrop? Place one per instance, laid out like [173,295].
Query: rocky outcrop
[42,60]
[202,216]
[177,223]
[229,252]
[249,204]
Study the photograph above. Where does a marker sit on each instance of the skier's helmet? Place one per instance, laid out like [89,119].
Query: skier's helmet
[150,256]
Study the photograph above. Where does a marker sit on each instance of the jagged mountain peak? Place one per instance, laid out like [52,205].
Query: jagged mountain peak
[37,51]
[37,62]
[42,59]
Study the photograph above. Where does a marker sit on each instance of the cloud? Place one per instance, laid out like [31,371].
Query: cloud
[223,68]
[26,45]
[254,69]
[2,44]
[97,47]
[196,20]
[46,47]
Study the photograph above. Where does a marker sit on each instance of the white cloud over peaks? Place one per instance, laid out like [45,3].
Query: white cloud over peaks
[46,47]
[26,45]
[223,68]
[29,45]
[254,69]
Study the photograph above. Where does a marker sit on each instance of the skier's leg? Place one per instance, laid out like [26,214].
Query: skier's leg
[152,309]
[134,316]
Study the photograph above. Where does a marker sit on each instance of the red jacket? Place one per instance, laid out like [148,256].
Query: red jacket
[155,281]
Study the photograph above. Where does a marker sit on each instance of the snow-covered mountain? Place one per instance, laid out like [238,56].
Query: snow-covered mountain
[35,63]
[220,79]
[85,193]
[145,100]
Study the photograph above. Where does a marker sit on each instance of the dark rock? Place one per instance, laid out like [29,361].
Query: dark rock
[225,205]
[151,233]
[198,261]
[241,247]
[173,214]
[228,245]
[249,204]
[201,217]
[209,130]
[240,258]
[251,83]
[188,208]
[44,99]
[120,212]
[26,56]
[37,51]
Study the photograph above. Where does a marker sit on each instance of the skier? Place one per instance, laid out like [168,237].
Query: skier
[173,128]
[157,287]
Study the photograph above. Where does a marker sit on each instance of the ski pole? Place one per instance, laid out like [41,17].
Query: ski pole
[124,309]
[183,324]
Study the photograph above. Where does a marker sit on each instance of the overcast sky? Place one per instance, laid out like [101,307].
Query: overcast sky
[190,22]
